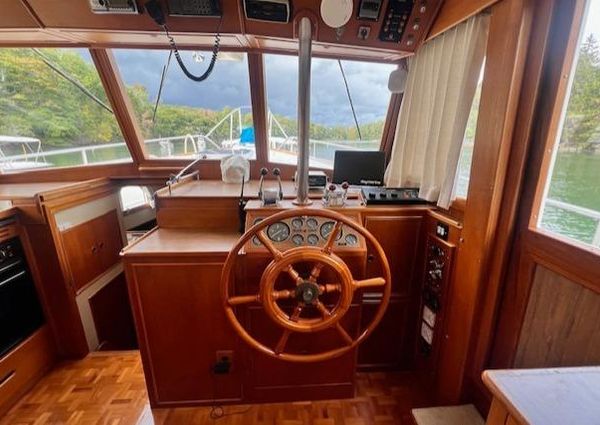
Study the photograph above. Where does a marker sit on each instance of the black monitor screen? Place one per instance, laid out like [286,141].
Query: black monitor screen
[364,168]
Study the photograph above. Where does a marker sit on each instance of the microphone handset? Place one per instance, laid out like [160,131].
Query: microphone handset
[155,11]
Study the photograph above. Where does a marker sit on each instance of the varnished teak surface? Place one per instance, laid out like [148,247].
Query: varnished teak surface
[108,388]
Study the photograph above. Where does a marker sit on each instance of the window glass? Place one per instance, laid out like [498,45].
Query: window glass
[571,206]
[54,111]
[212,118]
[466,153]
[332,123]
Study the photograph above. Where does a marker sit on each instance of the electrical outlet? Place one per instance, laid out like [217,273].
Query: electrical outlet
[225,356]
[224,362]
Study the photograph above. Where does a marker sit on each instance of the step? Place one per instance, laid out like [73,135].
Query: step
[448,415]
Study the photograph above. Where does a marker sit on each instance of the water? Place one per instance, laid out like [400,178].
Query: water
[575,180]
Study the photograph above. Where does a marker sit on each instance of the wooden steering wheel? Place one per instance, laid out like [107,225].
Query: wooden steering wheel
[307,290]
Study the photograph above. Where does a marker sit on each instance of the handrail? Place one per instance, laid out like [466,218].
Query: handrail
[586,212]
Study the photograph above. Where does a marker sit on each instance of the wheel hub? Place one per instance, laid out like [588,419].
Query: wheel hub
[307,292]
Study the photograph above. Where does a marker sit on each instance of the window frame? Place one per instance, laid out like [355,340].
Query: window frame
[562,74]
[109,74]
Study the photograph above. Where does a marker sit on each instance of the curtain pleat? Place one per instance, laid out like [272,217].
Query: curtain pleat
[441,84]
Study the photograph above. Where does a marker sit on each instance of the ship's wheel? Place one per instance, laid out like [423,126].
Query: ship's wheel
[309,292]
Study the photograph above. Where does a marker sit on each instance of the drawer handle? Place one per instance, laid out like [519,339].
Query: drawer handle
[97,247]
[7,377]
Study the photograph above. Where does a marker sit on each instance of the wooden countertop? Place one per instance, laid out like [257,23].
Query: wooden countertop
[219,189]
[30,190]
[561,396]
[182,241]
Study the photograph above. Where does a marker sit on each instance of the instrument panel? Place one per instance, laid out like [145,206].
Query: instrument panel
[305,231]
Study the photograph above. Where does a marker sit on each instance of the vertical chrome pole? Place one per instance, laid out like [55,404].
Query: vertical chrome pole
[304,59]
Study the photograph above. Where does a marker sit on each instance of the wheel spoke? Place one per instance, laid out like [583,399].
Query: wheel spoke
[268,244]
[330,287]
[324,311]
[283,294]
[315,272]
[243,299]
[368,283]
[332,237]
[296,314]
[294,274]
[343,333]
[282,341]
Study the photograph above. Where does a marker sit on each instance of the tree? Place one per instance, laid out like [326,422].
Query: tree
[582,122]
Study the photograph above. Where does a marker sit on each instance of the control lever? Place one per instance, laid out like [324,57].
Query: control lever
[277,173]
[242,208]
[263,173]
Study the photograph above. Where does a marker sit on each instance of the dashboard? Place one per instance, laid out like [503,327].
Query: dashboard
[305,231]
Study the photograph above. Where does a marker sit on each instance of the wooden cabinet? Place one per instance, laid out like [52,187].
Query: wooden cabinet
[24,365]
[181,324]
[92,247]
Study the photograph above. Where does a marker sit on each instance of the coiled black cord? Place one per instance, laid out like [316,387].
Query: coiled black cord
[213,59]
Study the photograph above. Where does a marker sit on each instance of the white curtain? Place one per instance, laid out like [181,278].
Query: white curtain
[442,79]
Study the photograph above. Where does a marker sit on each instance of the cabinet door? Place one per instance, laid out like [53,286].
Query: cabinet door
[390,345]
[181,324]
[399,236]
[92,247]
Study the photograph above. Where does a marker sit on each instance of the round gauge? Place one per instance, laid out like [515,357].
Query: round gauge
[278,232]
[256,241]
[327,228]
[258,220]
[297,223]
[298,239]
[312,239]
[312,223]
[351,239]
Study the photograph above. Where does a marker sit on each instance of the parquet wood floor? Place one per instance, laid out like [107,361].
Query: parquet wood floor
[108,388]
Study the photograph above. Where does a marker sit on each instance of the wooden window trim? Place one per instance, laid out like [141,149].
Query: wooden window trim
[119,100]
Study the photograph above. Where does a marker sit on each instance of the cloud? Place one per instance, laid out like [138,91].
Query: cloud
[228,85]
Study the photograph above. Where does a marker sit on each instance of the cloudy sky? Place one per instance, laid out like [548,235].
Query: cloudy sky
[593,18]
[229,86]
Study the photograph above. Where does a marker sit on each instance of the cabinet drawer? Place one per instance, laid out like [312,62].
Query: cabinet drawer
[23,366]
[92,247]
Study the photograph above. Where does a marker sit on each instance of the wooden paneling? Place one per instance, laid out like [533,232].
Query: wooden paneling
[24,365]
[181,325]
[534,246]
[77,14]
[387,347]
[16,15]
[453,12]
[509,31]
[399,237]
[112,316]
[511,199]
[57,295]
[92,248]
[561,326]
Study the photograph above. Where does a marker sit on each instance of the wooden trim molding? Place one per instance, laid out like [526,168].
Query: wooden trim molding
[509,32]
[511,197]
[123,110]
[533,245]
